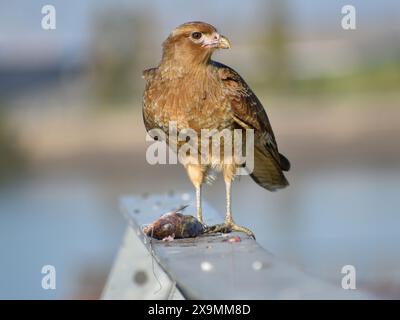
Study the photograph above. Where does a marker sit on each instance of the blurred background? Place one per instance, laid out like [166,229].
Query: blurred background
[72,138]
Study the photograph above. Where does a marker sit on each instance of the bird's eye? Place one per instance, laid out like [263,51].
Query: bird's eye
[196,35]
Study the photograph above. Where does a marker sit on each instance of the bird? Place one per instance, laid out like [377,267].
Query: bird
[194,91]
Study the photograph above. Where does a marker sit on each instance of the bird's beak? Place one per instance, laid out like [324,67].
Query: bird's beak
[223,43]
[216,41]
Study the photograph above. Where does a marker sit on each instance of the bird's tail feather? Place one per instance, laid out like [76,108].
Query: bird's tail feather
[285,164]
[267,173]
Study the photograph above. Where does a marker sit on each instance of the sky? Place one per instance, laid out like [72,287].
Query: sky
[20,19]
[318,43]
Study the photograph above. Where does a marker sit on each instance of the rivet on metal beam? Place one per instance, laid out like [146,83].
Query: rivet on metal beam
[257,265]
[206,266]
[140,277]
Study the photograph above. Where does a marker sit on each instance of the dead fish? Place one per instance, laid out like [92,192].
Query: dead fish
[176,225]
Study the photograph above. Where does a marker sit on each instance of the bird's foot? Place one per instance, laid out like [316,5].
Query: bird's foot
[228,227]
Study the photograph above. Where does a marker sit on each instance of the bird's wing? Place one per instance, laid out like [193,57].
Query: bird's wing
[250,114]
[148,95]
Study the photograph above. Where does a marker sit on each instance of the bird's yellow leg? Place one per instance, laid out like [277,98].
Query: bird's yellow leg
[229,225]
[196,176]
[199,211]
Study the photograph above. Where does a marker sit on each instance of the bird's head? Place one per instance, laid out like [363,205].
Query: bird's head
[193,43]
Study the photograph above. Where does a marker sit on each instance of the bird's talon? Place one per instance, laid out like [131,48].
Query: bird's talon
[218,228]
[235,227]
[227,228]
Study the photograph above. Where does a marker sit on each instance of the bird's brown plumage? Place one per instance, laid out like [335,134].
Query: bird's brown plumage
[199,93]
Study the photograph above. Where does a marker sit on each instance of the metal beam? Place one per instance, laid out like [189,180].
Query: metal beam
[209,266]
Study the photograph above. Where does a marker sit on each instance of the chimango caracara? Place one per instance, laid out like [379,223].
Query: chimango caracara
[195,92]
